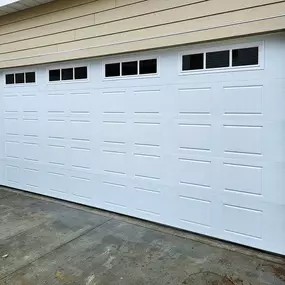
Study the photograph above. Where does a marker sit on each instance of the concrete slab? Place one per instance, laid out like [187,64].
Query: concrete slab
[76,247]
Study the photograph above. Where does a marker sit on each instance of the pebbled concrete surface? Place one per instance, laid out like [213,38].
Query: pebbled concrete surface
[52,243]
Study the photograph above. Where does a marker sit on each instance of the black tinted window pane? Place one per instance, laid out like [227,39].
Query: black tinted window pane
[112,69]
[245,56]
[81,72]
[218,59]
[10,79]
[130,68]
[30,77]
[193,61]
[67,74]
[20,78]
[54,75]
[148,66]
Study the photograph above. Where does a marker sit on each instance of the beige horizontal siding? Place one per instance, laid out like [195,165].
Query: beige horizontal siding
[64,30]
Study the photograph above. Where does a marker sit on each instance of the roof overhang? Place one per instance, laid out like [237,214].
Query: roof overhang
[11,6]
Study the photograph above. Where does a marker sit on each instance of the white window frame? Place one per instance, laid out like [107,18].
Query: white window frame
[64,66]
[25,84]
[230,47]
[127,59]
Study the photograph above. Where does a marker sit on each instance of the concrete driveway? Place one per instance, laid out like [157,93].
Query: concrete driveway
[43,241]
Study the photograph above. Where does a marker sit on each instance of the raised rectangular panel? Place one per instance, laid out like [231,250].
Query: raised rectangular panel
[147,201]
[80,103]
[56,181]
[243,178]
[147,134]
[243,100]
[80,129]
[12,126]
[31,176]
[31,151]
[56,152]
[12,173]
[243,221]
[82,186]
[56,103]
[12,149]
[147,167]
[194,137]
[31,127]
[115,194]
[30,104]
[147,101]
[114,162]
[113,102]
[196,172]
[243,139]
[11,103]
[114,131]
[80,158]
[195,211]
[56,128]
[194,101]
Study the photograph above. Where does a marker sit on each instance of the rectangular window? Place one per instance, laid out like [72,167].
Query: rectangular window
[218,59]
[148,66]
[10,79]
[67,74]
[245,56]
[112,69]
[20,78]
[193,61]
[54,75]
[130,68]
[81,72]
[30,77]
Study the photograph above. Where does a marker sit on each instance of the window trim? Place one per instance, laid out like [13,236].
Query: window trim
[66,66]
[25,84]
[229,47]
[128,59]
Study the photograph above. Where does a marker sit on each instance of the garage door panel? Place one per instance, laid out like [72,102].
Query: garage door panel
[197,192]
[147,133]
[194,101]
[12,173]
[243,100]
[147,167]
[31,151]
[12,149]
[243,178]
[56,128]
[194,137]
[141,101]
[195,172]
[115,195]
[81,185]
[243,139]
[80,129]
[202,150]
[113,102]
[31,177]
[12,126]
[57,181]
[147,202]
[195,211]
[10,103]
[79,102]
[114,161]
[115,132]
[235,217]
[57,152]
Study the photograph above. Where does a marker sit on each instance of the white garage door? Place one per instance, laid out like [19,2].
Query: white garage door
[191,137]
